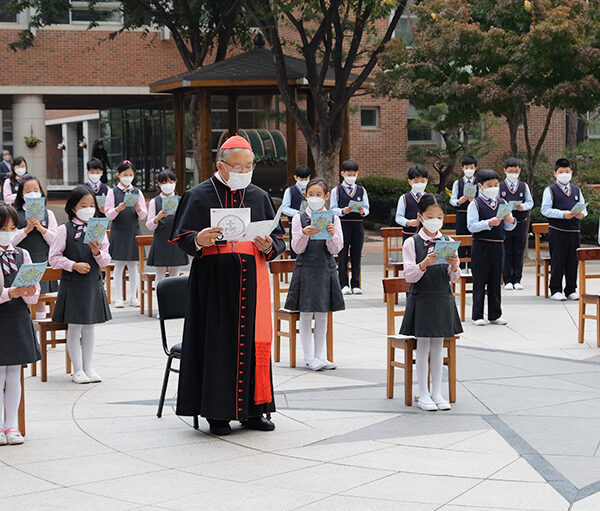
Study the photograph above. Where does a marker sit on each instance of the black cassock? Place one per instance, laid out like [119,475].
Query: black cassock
[217,367]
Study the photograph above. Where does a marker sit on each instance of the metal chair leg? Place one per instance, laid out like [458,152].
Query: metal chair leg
[196,422]
[161,402]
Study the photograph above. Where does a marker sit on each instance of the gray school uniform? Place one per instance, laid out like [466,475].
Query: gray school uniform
[163,253]
[315,286]
[81,297]
[18,344]
[124,229]
[430,307]
[37,247]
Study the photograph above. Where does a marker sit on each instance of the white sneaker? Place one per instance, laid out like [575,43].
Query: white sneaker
[573,296]
[120,304]
[558,297]
[3,440]
[315,364]
[93,376]
[328,365]
[346,290]
[509,287]
[499,321]
[80,377]
[356,291]
[479,322]
[134,302]
[443,405]
[518,286]
[14,437]
[427,405]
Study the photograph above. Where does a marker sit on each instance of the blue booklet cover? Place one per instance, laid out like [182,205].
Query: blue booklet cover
[131,199]
[101,200]
[96,229]
[504,210]
[355,206]
[169,204]
[321,219]
[30,274]
[470,190]
[36,208]
[579,208]
[443,249]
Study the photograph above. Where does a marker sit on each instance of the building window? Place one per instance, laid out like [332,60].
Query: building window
[369,117]
[406,24]
[105,12]
[417,131]
[6,17]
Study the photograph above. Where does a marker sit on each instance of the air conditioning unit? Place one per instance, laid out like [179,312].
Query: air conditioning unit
[165,34]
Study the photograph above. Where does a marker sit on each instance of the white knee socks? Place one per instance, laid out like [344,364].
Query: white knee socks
[80,343]
[132,271]
[430,357]
[320,333]
[11,396]
[316,350]
[161,272]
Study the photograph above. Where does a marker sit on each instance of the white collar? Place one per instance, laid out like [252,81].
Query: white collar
[122,187]
[10,248]
[427,237]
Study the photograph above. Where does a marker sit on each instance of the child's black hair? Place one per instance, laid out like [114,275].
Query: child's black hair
[13,175]
[320,182]
[561,162]
[166,175]
[468,160]
[512,162]
[431,199]
[78,193]
[95,164]
[124,165]
[20,200]
[417,171]
[350,165]
[7,212]
[302,171]
[484,175]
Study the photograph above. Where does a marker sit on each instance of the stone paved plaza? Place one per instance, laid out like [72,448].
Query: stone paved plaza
[523,435]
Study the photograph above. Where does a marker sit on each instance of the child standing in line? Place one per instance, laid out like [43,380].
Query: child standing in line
[315,287]
[81,301]
[406,211]
[11,184]
[564,234]
[125,227]
[352,225]
[293,198]
[431,313]
[95,171]
[162,253]
[487,252]
[18,344]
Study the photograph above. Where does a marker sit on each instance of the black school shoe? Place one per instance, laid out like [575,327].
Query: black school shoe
[220,428]
[259,423]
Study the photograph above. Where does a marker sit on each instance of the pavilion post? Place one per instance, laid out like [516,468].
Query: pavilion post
[179,135]
[205,136]
[292,146]
[232,114]
[312,120]
[345,147]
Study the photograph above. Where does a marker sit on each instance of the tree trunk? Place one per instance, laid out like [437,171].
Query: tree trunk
[513,122]
[573,121]
[325,165]
[197,148]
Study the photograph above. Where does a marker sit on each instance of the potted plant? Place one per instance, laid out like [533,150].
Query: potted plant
[82,143]
[61,146]
[31,141]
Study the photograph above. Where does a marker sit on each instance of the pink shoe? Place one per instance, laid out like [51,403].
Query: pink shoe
[14,437]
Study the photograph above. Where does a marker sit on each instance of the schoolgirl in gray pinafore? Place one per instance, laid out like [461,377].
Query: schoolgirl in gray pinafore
[37,247]
[163,253]
[18,344]
[124,229]
[315,286]
[81,297]
[430,307]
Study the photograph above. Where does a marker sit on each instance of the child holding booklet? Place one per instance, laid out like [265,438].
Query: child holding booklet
[160,220]
[95,171]
[431,313]
[406,210]
[464,191]
[81,301]
[18,344]
[315,288]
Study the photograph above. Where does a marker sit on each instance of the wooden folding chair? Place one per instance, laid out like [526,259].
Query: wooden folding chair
[147,279]
[449,225]
[466,240]
[542,263]
[279,267]
[408,344]
[584,255]
[392,244]
[22,426]
[48,299]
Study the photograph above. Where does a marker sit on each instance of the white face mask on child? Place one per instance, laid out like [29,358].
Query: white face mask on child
[302,185]
[492,192]
[126,180]
[350,180]
[564,178]
[167,188]
[432,225]
[21,171]
[7,237]
[94,178]
[315,203]
[32,195]
[469,173]
[84,214]
[418,187]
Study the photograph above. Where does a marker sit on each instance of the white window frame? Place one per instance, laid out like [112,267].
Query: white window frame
[413,115]
[406,14]
[377,110]
[597,121]
[101,6]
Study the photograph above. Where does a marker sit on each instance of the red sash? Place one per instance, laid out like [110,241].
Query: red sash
[263,326]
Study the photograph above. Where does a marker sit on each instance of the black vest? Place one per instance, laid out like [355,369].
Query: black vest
[435,280]
[127,219]
[34,242]
[564,202]
[486,213]
[344,201]
[410,213]
[519,195]
[461,192]
[296,198]
[80,252]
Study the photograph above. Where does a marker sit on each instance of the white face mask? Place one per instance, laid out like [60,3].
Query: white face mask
[167,188]
[418,187]
[6,157]
[94,178]
[126,180]
[513,177]
[315,203]
[350,180]
[21,171]
[491,193]
[564,178]
[239,180]
[84,214]
[302,185]
[32,195]
[7,237]
[469,173]
[433,225]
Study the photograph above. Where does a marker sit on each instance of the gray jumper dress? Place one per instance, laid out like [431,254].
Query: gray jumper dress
[81,297]
[315,286]
[124,229]
[163,253]
[430,307]
[18,344]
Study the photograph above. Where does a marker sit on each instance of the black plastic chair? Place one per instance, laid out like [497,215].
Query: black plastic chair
[171,294]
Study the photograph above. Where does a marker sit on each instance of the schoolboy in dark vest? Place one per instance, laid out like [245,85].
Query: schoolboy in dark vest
[513,190]
[406,211]
[487,252]
[95,171]
[564,235]
[293,198]
[352,225]
[461,202]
